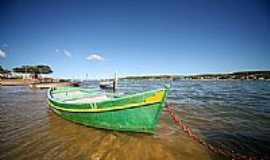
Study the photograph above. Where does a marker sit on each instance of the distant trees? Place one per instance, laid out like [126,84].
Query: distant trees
[3,71]
[251,75]
[35,70]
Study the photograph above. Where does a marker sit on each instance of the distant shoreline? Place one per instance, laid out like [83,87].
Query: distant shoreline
[247,75]
[35,83]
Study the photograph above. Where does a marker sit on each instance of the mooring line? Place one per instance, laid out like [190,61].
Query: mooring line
[218,150]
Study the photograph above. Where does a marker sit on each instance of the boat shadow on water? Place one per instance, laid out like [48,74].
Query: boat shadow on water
[75,141]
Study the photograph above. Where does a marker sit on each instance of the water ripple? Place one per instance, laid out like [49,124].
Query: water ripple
[232,114]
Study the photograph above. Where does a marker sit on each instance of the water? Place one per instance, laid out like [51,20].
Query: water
[232,114]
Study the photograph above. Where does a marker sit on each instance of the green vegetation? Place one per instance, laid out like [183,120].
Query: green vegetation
[252,75]
[35,70]
[3,71]
[154,77]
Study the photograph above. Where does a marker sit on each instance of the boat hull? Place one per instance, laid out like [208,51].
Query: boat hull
[142,119]
[136,113]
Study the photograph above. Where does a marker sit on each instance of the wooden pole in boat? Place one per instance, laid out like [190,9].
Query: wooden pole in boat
[115,82]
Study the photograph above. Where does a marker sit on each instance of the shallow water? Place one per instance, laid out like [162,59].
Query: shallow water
[232,114]
[30,130]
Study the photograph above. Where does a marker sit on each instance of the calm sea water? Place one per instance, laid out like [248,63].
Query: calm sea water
[231,114]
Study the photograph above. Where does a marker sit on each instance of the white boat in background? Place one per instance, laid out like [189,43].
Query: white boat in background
[109,84]
[106,84]
[47,85]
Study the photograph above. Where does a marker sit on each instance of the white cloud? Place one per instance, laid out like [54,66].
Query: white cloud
[67,53]
[64,51]
[2,53]
[95,57]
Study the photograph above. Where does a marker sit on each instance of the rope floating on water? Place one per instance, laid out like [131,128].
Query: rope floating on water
[218,150]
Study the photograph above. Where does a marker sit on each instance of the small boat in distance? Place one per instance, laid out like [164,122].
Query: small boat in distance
[46,85]
[106,84]
[109,84]
[91,107]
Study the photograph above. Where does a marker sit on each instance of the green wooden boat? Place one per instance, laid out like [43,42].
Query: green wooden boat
[137,113]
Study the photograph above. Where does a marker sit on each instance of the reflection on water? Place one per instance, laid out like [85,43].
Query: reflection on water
[30,130]
[233,114]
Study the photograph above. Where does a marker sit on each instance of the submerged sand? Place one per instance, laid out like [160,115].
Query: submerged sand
[30,130]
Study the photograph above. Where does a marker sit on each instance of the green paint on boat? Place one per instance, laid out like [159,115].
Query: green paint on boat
[91,107]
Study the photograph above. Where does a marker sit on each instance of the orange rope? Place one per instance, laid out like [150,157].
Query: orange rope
[229,154]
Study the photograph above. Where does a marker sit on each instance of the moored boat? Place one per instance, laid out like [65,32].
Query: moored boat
[106,84]
[137,113]
[109,84]
[46,85]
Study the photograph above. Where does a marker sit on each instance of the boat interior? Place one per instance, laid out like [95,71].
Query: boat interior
[79,95]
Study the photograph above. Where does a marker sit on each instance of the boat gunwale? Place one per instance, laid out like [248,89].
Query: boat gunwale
[112,108]
[95,110]
[108,100]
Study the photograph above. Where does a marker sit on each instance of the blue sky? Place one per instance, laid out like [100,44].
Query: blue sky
[136,37]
